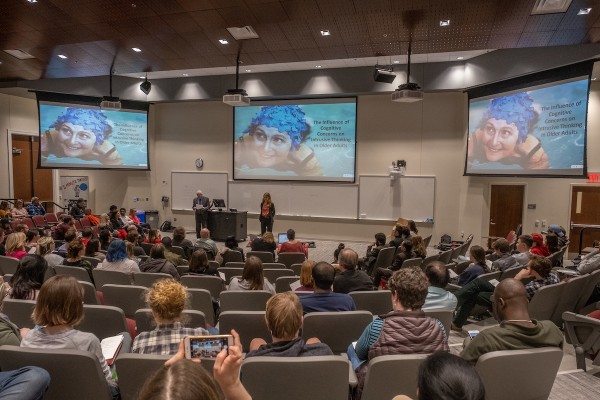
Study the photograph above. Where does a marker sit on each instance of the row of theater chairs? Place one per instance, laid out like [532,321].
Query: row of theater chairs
[77,374]
[48,221]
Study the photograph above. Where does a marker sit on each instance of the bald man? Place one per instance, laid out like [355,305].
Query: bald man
[516,330]
[201,205]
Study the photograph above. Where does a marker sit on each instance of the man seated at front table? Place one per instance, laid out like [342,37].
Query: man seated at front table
[479,291]
[437,296]
[205,243]
[516,330]
[350,279]
[323,299]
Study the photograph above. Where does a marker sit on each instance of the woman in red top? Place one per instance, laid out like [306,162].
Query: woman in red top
[292,245]
[267,214]
[153,237]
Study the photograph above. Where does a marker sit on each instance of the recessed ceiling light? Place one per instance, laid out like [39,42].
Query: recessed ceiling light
[248,70]
[62,56]
[460,58]
[185,74]
[32,1]
[136,49]
[396,61]
[223,41]
[325,33]
[584,11]
[445,22]
[317,66]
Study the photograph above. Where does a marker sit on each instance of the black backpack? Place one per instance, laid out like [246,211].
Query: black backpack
[166,226]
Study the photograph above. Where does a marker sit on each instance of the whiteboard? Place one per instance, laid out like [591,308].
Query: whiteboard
[184,186]
[297,199]
[409,197]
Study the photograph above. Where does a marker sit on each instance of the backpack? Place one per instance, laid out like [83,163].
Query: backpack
[166,226]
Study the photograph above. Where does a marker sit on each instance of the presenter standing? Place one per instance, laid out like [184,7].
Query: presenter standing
[267,214]
[201,205]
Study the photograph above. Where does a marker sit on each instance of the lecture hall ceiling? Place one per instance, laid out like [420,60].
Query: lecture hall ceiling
[180,35]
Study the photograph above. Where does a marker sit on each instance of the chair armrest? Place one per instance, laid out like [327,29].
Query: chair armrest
[352,379]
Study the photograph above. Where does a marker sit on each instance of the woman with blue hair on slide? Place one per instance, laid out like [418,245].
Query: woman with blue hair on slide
[503,135]
[81,133]
[274,140]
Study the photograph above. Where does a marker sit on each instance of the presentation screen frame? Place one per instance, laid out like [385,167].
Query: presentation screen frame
[312,140]
[59,100]
[545,95]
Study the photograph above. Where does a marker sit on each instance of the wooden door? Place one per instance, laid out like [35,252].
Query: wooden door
[28,180]
[584,210]
[506,209]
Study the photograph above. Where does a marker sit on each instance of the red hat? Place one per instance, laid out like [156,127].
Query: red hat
[537,238]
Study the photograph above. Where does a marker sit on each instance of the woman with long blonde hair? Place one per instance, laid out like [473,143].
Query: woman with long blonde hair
[267,214]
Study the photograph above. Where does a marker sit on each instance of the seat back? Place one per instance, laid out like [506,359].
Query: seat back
[177,250]
[230,273]
[291,258]
[282,284]
[147,279]
[74,374]
[144,321]
[8,265]
[510,272]
[428,260]
[77,225]
[244,300]
[182,269]
[384,258]
[85,222]
[92,260]
[377,302]
[147,247]
[28,222]
[587,291]
[213,284]
[445,256]
[39,221]
[103,321]
[569,297]
[328,377]
[102,277]
[490,275]
[265,256]
[128,298]
[235,264]
[51,218]
[249,324]
[388,376]
[90,296]
[412,262]
[232,256]
[426,241]
[78,272]
[498,368]
[545,300]
[444,316]
[201,300]
[336,329]
[19,312]
[274,265]
[296,268]
[584,334]
[133,371]
[273,274]
[456,252]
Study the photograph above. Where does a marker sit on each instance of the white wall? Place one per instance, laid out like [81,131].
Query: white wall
[429,135]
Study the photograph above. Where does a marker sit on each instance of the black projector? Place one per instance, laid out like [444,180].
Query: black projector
[384,75]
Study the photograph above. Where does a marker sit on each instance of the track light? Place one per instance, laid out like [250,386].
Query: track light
[146,86]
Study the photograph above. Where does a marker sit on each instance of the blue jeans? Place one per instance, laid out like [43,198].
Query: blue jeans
[24,383]
[353,357]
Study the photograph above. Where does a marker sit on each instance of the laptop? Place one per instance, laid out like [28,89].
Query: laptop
[282,237]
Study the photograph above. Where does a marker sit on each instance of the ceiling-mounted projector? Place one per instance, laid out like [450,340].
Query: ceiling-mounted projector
[110,103]
[236,98]
[407,93]
[385,75]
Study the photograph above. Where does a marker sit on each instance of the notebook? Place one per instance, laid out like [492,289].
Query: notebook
[111,347]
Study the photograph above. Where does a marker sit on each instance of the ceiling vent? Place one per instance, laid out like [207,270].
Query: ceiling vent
[243,33]
[550,6]
[20,54]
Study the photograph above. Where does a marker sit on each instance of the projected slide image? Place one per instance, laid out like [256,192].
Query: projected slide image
[296,142]
[540,131]
[79,136]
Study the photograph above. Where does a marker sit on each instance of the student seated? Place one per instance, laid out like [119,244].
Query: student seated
[307,282]
[351,279]
[292,245]
[323,299]
[167,299]
[157,262]
[25,284]
[502,259]
[284,320]
[199,265]
[476,268]
[265,243]
[437,296]
[252,277]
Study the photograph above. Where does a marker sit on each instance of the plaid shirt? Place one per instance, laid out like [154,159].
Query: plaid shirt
[35,209]
[165,339]
[533,286]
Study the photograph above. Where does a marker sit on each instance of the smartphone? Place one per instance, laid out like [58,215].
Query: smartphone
[472,334]
[206,346]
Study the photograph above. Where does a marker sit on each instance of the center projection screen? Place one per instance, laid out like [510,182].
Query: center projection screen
[536,131]
[296,140]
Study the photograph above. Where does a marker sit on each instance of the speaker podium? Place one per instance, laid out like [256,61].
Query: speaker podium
[227,223]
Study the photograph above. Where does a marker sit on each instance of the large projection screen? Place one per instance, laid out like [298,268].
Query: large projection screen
[296,140]
[83,136]
[535,131]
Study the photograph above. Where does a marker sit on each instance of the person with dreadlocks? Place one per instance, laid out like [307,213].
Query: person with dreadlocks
[274,140]
[503,134]
[81,133]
